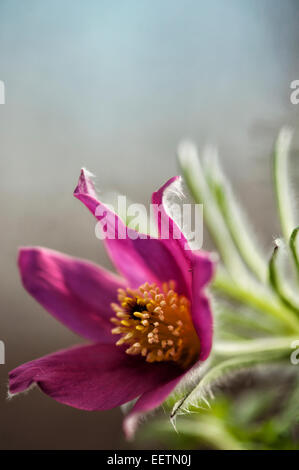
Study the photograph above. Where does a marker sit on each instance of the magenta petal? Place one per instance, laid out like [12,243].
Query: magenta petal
[140,259]
[93,377]
[147,402]
[76,292]
[163,220]
[200,267]
[202,273]
[177,241]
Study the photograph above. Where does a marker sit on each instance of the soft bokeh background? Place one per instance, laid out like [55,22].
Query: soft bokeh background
[114,86]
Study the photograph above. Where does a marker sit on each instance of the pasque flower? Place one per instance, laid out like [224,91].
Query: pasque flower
[145,329]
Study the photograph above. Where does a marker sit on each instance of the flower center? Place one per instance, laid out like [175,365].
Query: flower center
[156,323]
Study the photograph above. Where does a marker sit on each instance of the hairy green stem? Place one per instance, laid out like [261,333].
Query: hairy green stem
[277,283]
[279,347]
[237,355]
[293,248]
[281,182]
[234,217]
[200,191]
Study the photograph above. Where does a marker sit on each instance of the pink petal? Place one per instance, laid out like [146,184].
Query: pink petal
[140,259]
[93,377]
[164,221]
[202,273]
[200,267]
[76,292]
[177,240]
[147,402]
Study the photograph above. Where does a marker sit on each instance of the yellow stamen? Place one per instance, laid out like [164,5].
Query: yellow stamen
[156,324]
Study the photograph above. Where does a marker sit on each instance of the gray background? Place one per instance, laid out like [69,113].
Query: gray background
[114,86]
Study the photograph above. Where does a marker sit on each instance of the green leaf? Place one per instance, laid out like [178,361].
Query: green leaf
[293,248]
[196,182]
[234,216]
[281,182]
[245,322]
[257,297]
[277,283]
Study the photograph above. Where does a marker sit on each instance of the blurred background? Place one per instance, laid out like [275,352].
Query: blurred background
[114,86]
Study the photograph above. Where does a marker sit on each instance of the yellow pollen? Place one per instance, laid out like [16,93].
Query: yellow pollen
[156,324]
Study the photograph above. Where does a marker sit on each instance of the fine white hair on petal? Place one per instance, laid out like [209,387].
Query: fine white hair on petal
[173,199]
[173,191]
[126,407]
[88,173]
[134,421]
[93,180]
[10,395]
